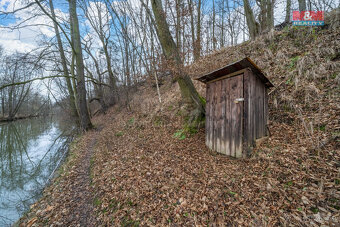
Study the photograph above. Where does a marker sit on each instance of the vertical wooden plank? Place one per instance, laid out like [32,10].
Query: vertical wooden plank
[213,109]
[227,137]
[261,103]
[223,116]
[266,110]
[239,117]
[246,119]
[207,115]
[233,114]
[218,115]
[253,107]
[258,108]
[250,109]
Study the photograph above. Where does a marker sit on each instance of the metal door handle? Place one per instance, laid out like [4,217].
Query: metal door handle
[238,100]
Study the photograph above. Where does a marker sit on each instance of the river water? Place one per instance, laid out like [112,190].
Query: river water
[30,151]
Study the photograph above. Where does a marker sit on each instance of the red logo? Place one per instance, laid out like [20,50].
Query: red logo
[308,15]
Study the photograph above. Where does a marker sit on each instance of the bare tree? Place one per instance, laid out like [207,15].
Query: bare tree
[85,121]
[71,92]
[188,91]
[302,5]
[253,26]
[288,8]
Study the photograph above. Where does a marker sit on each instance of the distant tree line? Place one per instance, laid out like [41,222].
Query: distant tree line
[20,100]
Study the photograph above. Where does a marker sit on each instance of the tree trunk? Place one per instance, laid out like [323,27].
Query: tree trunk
[3,103]
[85,121]
[10,103]
[266,16]
[188,91]
[178,23]
[192,25]
[222,24]
[213,26]
[196,41]
[112,79]
[251,22]
[198,36]
[270,15]
[98,88]
[288,7]
[302,5]
[64,64]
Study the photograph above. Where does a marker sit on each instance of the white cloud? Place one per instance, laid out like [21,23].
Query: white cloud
[25,38]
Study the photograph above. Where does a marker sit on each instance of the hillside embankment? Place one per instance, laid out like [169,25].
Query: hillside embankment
[143,171]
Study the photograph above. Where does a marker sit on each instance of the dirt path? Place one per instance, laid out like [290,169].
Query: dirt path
[80,192]
[69,200]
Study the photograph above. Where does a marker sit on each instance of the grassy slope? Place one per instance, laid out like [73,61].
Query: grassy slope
[143,175]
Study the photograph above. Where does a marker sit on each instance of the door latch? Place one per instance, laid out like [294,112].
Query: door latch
[238,100]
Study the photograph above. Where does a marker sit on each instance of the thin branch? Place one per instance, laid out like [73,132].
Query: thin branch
[29,81]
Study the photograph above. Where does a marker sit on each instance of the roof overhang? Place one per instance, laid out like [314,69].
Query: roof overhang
[234,67]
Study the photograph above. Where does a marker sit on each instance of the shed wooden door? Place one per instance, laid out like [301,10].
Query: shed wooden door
[224,116]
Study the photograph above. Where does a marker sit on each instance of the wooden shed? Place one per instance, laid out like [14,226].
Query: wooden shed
[237,107]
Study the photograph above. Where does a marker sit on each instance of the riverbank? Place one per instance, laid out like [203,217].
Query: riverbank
[145,171]
[69,191]
[17,118]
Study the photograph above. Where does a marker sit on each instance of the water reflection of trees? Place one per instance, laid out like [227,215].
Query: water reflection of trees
[29,152]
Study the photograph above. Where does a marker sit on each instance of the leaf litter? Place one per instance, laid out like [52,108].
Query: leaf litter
[143,175]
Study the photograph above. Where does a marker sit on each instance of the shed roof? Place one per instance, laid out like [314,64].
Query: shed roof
[234,67]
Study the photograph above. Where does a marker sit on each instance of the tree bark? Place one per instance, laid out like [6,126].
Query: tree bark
[222,24]
[213,26]
[3,103]
[188,91]
[178,23]
[302,5]
[197,53]
[288,8]
[85,121]
[192,25]
[270,15]
[251,22]
[266,16]
[98,88]
[64,64]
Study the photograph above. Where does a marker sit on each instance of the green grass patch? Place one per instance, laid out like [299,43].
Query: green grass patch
[113,205]
[322,128]
[97,202]
[128,222]
[315,210]
[293,62]
[118,134]
[333,76]
[131,121]
[180,134]
[289,183]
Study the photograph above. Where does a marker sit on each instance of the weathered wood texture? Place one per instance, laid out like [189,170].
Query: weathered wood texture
[224,116]
[232,126]
[255,111]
